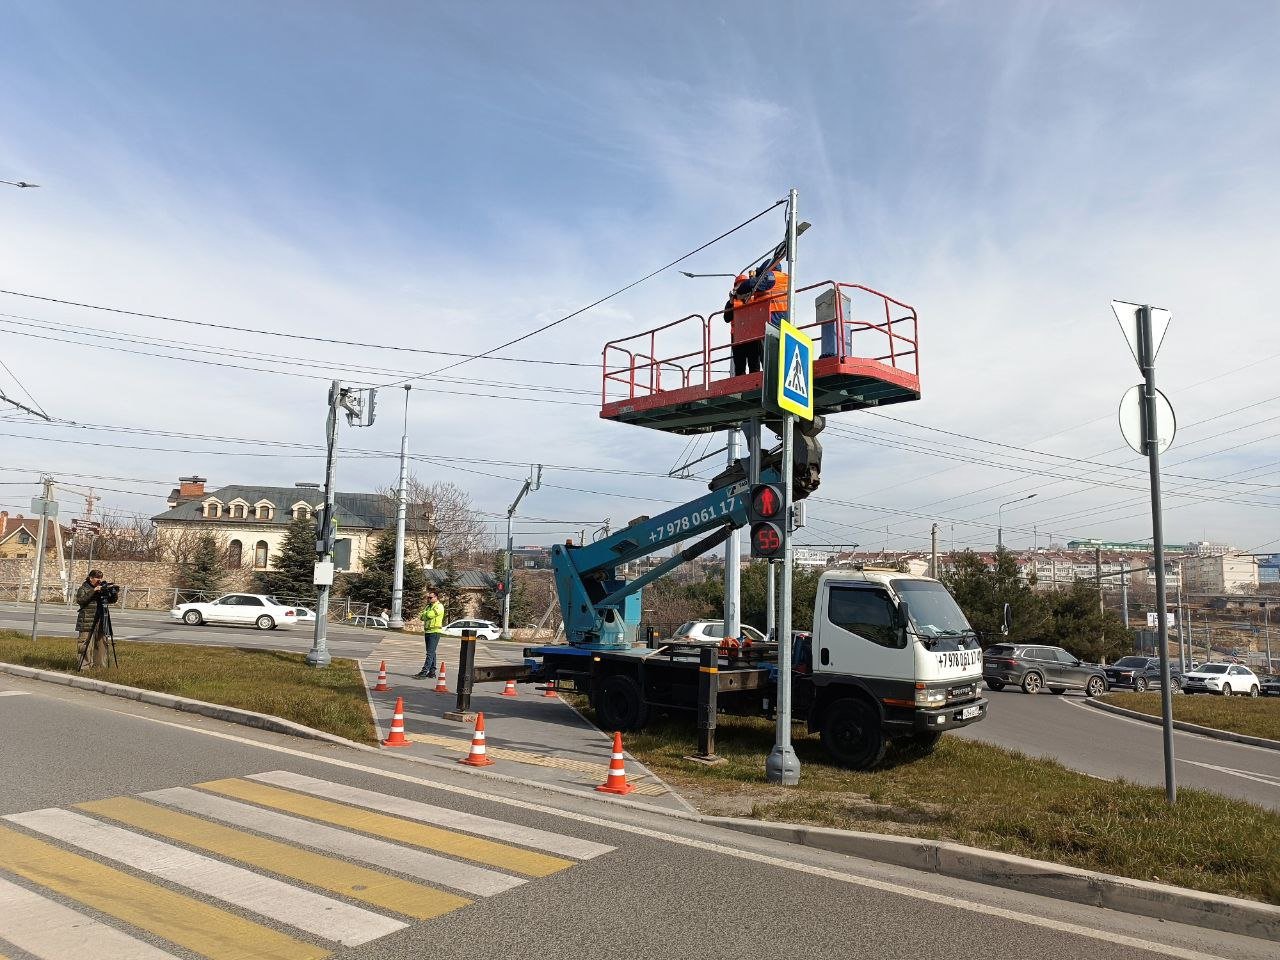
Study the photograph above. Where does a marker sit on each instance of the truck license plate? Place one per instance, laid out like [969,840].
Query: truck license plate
[968,712]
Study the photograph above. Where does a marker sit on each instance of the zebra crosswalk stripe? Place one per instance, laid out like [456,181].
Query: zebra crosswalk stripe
[392,828]
[204,929]
[266,896]
[48,930]
[390,856]
[328,873]
[440,816]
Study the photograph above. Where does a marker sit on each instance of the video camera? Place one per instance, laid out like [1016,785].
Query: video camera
[109,592]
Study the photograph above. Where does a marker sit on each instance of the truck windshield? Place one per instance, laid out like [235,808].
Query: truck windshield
[935,617]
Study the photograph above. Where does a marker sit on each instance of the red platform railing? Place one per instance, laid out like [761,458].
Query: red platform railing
[690,353]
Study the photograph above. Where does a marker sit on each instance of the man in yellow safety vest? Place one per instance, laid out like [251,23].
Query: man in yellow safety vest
[432,624]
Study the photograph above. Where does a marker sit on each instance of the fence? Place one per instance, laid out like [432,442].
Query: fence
[166,598]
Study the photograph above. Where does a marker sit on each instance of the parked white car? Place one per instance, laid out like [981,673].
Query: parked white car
[711,631]
[305,614]
[238,609]
[377,623]
[483,628]
[1225,678]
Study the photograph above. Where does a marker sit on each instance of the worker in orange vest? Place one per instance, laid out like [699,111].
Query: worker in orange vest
[764,288]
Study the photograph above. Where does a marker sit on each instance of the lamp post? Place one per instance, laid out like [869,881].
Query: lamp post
[1000,519]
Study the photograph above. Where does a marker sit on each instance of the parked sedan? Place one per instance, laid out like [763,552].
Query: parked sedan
[1226,679]
[1141,673]
[1034,667]
[483,628]
[712,631]
[1271,686]
[238,609]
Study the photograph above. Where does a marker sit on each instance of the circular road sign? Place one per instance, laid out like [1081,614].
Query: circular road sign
[1131,420]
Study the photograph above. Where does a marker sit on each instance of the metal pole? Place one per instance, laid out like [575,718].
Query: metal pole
[1124,591]
[71,573]
[933,553]
[782,765]
[732,563]
[40,544]
[1147,361]
[1097,572]
[396,622]
[1266,613]
[319,654]
[506,576]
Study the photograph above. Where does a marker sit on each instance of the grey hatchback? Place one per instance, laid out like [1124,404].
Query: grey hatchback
[1034,667]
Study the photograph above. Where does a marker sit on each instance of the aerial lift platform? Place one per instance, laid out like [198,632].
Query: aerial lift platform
[678,377]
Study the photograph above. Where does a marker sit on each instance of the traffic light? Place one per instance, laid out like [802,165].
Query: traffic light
[766,512]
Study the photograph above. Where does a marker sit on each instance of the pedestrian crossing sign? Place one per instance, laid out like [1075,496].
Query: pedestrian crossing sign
[795,372]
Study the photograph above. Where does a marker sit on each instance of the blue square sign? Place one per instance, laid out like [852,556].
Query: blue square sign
[795,372]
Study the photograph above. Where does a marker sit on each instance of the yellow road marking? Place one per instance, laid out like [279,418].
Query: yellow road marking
[206,930]
[537,760]
[327,873]
[392,828]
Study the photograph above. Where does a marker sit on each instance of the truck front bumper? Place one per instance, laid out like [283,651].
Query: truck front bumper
[938,718]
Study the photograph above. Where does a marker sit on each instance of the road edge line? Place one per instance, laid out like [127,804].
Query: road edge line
[1043,878]
[1186,727]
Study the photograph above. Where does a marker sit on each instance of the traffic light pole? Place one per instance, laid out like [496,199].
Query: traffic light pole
[782,765]
[319,653]
[732,563]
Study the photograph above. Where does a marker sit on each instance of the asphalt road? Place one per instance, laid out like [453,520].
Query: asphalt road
[1105,745]
[156,626]
[284,872]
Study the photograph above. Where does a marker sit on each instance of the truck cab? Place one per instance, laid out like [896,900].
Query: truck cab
[891,656]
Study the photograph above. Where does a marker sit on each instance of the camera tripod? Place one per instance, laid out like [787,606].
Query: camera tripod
[101,622]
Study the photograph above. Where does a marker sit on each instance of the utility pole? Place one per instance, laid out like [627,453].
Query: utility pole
[933,553]
[1097,572]
[402,505]
[45,502]
[533,483]
[782,765]
[359,405]
[732,562]
[1124,591]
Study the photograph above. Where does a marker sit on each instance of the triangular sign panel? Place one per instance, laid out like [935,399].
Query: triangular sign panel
[1127,315]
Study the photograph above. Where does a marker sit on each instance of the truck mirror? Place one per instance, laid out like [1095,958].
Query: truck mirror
[1006,620]
[902,622]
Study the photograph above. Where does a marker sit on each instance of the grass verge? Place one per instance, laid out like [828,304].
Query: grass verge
[1252,716]
[984,796]
[265,681]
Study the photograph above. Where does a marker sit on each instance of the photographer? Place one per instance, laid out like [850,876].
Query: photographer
[93,622]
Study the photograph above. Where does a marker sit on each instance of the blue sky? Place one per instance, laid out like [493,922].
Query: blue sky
[451,175]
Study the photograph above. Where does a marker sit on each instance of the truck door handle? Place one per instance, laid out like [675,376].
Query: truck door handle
[826,656]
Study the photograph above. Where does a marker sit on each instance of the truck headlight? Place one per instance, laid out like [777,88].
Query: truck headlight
[930,698]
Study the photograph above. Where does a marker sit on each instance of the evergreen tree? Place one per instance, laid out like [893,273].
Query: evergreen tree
[522,602]
[982,592]
[206,570]
[1082,629]
[293,569]
[491,599]
[374,583]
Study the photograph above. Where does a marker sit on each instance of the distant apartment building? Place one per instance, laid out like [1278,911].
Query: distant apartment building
[1269,569]
[530,558]
[1220,573]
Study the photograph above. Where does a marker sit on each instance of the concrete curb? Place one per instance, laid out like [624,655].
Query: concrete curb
[1185,727]
[1230,914]
[1162,901]
[246,718]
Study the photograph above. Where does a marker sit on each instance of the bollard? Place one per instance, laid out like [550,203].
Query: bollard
[708,686]
[466,678]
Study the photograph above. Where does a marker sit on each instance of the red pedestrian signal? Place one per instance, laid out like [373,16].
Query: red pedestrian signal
[766,540]
[766,510]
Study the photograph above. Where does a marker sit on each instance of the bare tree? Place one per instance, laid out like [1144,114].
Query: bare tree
[127,538]
[440,522]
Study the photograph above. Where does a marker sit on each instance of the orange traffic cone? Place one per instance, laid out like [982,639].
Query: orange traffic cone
[440,687]
[478,757]
[510,689]
[397,737]
[550,691]
[382,679]
[617,781]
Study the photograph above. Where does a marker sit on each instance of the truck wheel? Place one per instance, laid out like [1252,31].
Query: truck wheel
[996,685]
[620,704]
[1032,682]
[1140,685]
[852,735]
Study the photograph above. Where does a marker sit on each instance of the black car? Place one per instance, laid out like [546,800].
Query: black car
[1141,673]
[1270,686]
[1034,667]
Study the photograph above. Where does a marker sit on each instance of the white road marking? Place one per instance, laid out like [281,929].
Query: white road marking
[380,853]
[1157,728]
[50,931]
[14,693]
[1268,779]
[984,909]
[438,816]
[324,916]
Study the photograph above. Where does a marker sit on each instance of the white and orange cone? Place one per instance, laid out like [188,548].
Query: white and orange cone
[617,780]
[397,738]
[440,687]
[382,679]
[510,689]
[479,756]
[550,690]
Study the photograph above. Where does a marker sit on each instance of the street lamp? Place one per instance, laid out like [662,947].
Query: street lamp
[1000,519]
